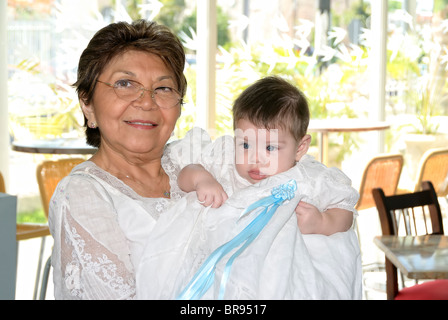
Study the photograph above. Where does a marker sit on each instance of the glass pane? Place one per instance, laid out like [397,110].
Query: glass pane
[320,46]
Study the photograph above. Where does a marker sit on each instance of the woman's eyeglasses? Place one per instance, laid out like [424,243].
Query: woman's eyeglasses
[130,90]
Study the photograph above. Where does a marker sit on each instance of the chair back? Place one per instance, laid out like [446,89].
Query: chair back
[415,212]
[434,167]
[410,211]
[2,184]
[49,173]
[382,171]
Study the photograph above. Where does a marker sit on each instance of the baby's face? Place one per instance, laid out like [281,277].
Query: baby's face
[261,153]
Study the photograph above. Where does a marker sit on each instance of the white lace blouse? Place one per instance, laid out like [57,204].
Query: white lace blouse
[91,255]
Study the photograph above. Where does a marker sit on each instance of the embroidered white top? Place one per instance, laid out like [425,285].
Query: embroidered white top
[91,255]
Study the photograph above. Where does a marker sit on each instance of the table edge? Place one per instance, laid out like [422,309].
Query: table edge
[51,150]
[410,274]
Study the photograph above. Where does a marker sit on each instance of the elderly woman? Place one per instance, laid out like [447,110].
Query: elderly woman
[130,86]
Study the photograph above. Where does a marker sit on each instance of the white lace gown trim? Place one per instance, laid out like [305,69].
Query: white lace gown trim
[95,220]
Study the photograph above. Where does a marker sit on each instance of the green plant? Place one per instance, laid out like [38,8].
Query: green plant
[416,61]
[335,81]
[36,216]
[426,108]
[331,90]
[40,105]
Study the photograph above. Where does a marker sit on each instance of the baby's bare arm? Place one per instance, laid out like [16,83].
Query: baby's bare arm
[194,177]
[311,221]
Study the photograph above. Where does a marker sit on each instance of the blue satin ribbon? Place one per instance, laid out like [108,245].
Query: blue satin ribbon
[204,277]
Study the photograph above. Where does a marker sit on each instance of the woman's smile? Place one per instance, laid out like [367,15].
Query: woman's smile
[142,124]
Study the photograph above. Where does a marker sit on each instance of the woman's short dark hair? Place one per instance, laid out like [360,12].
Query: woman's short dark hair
[273,102]
[117,38]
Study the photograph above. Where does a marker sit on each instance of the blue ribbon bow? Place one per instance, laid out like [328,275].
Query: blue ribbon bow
[204,277]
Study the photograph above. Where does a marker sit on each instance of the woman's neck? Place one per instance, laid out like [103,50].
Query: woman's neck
[144,175]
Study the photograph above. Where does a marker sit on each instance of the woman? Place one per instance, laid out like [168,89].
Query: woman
[130,86]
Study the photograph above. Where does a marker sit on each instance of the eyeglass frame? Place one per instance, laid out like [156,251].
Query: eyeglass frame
[143,89]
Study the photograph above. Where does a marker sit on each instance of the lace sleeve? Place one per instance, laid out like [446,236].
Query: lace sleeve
[90,254]
[189,149]
[326,187]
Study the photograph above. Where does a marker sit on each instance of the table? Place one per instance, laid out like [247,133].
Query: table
[54,146]
[417,257]
[324,126]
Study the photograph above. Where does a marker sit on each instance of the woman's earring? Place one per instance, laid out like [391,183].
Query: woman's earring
[92,125]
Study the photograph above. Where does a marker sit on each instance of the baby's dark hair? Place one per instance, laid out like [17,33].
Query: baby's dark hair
[273,102]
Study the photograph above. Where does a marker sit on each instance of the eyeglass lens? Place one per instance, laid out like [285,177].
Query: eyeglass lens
[164,97]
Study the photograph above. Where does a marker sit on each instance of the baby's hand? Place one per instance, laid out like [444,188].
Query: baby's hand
[210,192]
[309,218]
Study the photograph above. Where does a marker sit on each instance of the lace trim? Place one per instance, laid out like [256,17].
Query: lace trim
[113,181]
[85,269]
[158,204]
[172,171]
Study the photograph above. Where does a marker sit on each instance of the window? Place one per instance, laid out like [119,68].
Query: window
[322,46]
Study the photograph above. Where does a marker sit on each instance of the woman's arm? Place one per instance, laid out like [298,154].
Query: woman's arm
[90,270]
[90,255]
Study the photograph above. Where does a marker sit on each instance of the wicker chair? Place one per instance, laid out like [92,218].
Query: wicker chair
[25,231]
[2,184]
[382,171]
[434,167]
[48,174]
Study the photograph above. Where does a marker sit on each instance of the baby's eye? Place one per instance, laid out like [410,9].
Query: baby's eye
[271,148]
[245,145]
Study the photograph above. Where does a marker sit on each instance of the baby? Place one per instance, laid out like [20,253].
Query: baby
[230,176]
[270,119]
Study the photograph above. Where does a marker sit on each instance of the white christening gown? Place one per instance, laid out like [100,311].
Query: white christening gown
[280,263]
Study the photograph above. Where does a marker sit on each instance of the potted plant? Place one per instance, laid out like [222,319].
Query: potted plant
[425,47]
[425,134]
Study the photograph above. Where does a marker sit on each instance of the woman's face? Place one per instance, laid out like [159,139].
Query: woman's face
[140,126]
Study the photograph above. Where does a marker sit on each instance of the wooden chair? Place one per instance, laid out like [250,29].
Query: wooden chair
[434,167]
[382,171]
[403,211]
[26,231]
[2,184]
[48,174]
